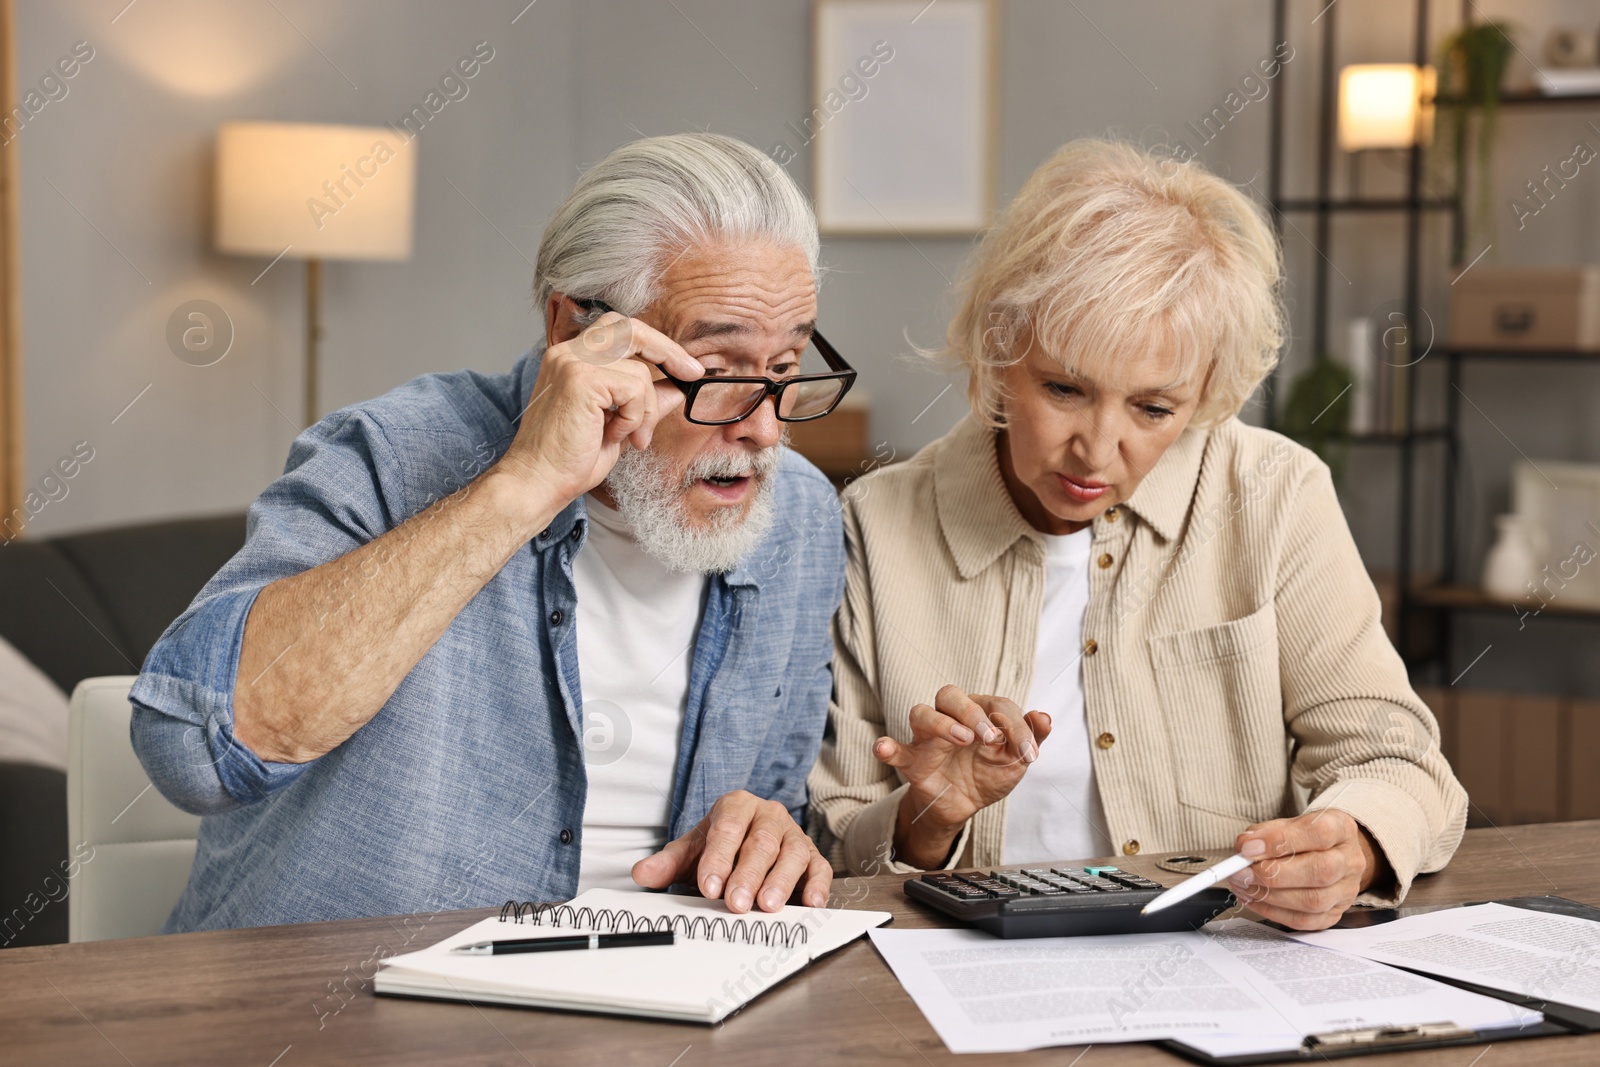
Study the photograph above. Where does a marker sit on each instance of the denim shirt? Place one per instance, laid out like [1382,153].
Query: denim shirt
[467,788]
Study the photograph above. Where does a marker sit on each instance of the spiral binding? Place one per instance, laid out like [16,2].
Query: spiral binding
[621,920]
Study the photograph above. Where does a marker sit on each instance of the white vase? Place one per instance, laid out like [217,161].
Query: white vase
[1513,562]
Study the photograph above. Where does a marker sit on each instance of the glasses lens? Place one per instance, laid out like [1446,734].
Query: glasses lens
[807,400]
[725,401]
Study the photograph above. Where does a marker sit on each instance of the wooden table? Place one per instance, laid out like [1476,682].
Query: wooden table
[292,995]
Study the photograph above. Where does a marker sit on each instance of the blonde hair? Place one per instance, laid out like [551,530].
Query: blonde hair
[1110,249]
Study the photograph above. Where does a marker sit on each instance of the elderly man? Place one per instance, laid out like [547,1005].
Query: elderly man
[519,635]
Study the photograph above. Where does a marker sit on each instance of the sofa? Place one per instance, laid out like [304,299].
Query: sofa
[79,606]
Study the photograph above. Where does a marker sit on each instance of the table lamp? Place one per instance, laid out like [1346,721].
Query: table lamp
[314,192]
[1385,105]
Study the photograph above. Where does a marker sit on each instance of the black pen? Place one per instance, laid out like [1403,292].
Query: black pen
[561,944]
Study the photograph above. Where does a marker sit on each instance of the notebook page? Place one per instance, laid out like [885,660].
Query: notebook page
[693,979]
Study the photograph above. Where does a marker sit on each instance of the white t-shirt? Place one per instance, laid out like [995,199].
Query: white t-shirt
[1054,813]
[637,623]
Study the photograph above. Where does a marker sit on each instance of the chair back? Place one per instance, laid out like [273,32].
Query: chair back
[132,848]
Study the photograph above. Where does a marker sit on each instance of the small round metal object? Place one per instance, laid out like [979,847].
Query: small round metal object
[1190,864]
[566,837]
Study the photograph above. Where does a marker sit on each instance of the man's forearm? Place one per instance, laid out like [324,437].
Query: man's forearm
[325,649]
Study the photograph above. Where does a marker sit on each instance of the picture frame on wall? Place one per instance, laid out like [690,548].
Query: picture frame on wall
[904,115]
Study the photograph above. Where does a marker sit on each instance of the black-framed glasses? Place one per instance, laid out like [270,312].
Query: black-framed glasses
[724,400]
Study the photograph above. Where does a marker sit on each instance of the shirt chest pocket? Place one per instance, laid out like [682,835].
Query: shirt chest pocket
[1222,703]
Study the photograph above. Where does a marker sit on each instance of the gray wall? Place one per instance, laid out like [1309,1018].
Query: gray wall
[116,204]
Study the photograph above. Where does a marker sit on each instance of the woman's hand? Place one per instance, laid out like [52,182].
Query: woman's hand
[1315,864]
[966,752]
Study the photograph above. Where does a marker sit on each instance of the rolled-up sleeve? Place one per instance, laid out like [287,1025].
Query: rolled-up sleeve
[1365,743]
[340,489]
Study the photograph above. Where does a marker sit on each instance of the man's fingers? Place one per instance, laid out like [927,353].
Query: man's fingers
[794,858]
[616,338]
[672,864]
[763,844]
[723,831]
[952,701]
[819,881]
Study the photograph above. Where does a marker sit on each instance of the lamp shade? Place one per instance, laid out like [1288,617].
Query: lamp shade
[325,192]
[1385,105]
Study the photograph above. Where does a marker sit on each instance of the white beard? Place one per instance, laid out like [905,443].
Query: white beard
[649,494]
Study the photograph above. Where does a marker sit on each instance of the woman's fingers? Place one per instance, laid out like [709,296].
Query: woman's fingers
[1020,743]
[928,724]
[1040,723]
[892,753]
[955,703]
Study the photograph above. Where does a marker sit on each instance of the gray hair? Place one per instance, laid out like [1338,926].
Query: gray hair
[611,238]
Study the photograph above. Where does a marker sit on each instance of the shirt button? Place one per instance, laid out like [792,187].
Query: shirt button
[1105,740]
[1112,515]
[1129,848]
[1090,647]
[555,619]
[1104,560]
[566,837]
[544,533]
[575,533]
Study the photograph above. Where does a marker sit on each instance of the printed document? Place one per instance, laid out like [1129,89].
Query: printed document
[1551,957]
[1234,987]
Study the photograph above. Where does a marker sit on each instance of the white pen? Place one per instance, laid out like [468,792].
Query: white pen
[1199,883]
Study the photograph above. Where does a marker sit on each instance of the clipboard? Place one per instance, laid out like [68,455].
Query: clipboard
[1559,1019]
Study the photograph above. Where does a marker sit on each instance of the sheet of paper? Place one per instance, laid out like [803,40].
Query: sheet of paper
[983,994]
[1552,957]
[1319,990]
[1235,987]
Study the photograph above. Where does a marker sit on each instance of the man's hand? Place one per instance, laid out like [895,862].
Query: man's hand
[966,752]
[595,393]
[746,851]
[1315,866]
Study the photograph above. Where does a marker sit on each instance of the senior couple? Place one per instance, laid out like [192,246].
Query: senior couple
[590,623]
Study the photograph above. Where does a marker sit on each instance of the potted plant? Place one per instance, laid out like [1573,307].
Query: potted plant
[1317,412]
[1472,63]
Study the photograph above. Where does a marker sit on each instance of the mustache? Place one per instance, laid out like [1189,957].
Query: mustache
[760,463]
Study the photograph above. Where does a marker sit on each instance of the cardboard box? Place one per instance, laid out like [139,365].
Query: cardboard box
[836,443]
[1527,307]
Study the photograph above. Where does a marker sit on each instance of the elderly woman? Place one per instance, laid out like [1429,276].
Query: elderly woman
[1173,594]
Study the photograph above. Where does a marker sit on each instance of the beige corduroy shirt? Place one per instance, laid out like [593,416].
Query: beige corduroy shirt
[1234,664]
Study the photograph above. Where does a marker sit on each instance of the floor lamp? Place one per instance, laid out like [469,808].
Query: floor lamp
[314,192]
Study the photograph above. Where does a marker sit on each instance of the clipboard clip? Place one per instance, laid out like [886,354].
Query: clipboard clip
[1385,1037]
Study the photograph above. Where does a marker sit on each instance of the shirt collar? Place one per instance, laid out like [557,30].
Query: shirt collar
[976,513]
[1164,496]
[981,522]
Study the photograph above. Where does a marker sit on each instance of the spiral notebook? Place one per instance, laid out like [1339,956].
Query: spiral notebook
[720,962]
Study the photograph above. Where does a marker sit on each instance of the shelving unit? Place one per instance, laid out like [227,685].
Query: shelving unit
[1424,611]
[1322,207]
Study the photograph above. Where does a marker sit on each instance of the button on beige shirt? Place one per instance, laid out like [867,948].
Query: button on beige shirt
[1234,664]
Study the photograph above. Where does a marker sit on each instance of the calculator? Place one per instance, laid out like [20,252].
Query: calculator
[1061,901]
